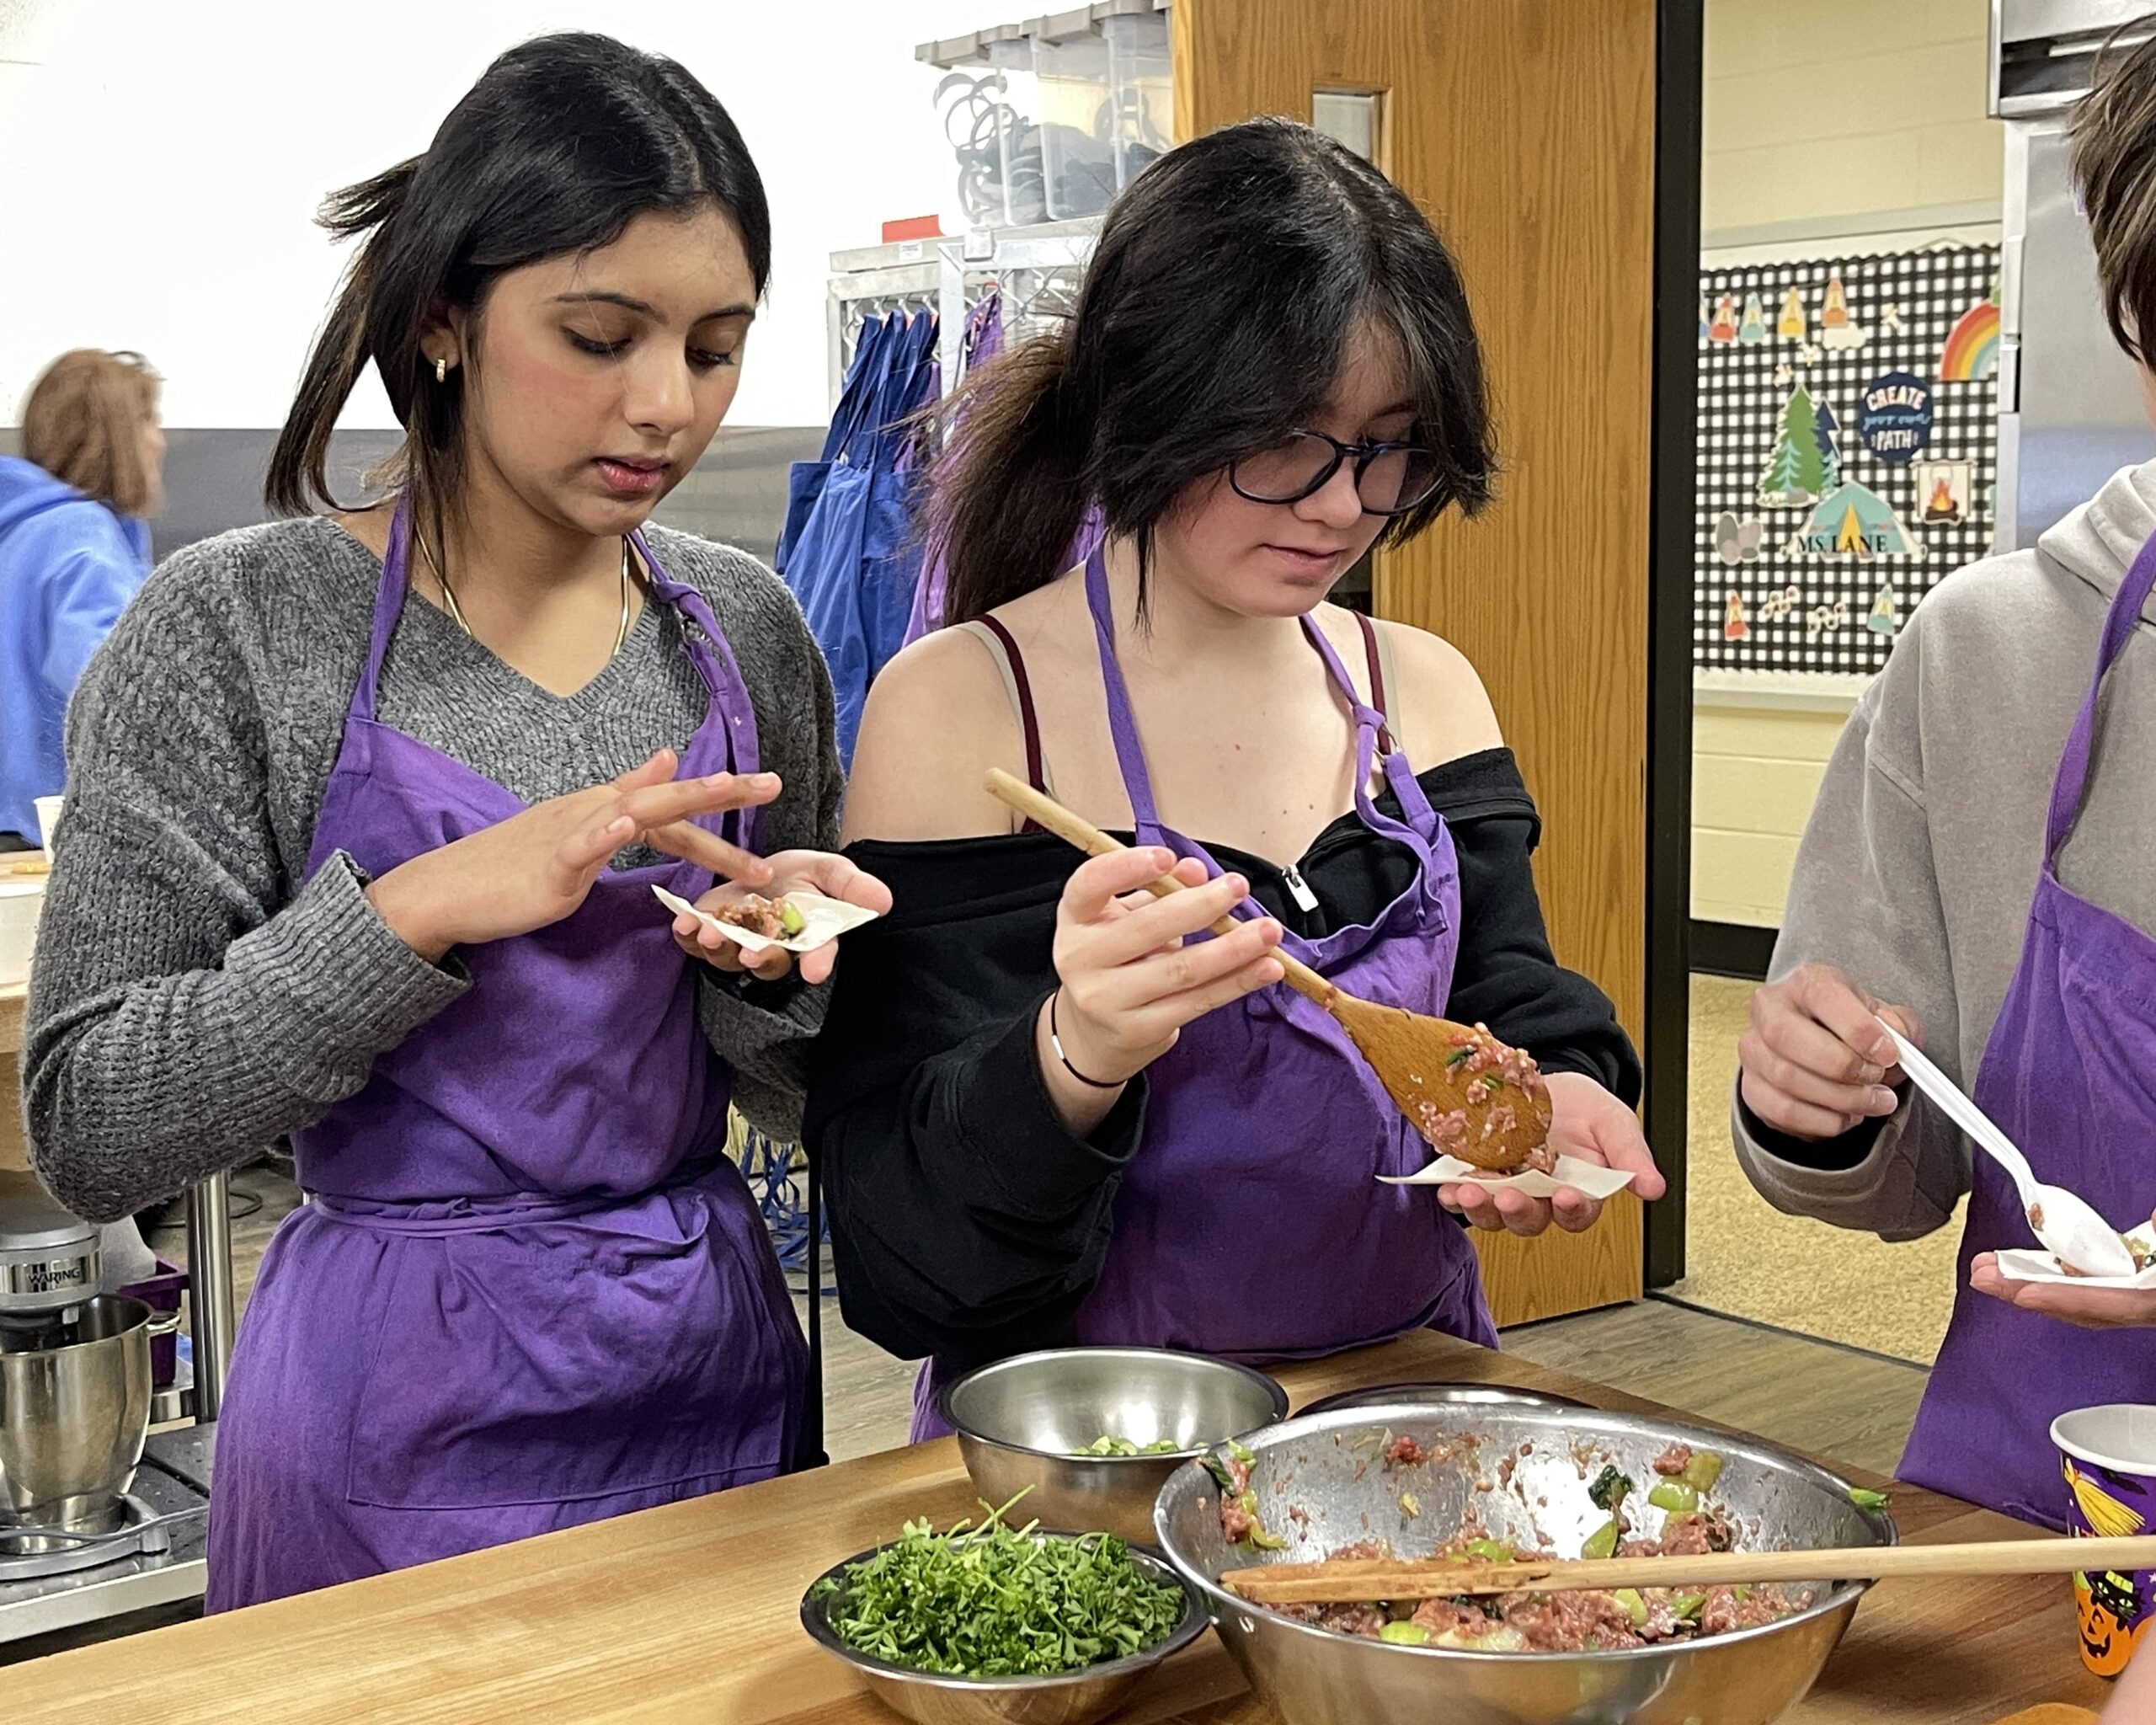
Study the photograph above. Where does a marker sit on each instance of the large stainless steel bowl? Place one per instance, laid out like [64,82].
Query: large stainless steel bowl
[1316,1466]
[73,1417]
[1074,1698]
[1433,1396]
[1019,1421]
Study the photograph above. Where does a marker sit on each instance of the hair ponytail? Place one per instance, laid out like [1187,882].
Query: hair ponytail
[298,481]
[1010,489]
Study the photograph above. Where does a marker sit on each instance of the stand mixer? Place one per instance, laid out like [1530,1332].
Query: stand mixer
[75,1378]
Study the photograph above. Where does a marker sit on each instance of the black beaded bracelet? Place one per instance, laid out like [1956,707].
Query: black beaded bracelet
[1055,1041]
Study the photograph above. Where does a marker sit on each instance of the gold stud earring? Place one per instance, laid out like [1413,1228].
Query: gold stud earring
[442,370]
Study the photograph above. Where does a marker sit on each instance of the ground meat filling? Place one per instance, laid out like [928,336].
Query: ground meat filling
[1598,1620]
[755,913]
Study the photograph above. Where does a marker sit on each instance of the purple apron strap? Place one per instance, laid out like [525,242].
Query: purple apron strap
[712,655]
[2073,780]
[1123,725]
[388,607]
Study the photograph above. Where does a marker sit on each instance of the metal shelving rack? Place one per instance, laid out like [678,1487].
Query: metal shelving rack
[1037,269]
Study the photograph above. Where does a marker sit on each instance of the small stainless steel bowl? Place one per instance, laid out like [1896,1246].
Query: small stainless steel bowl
[1021,1422]
[1315,1483]
[1074,1698]
[1464,1396]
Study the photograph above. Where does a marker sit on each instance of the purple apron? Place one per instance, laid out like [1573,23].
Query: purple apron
[531,1289]
[2069,1074]
[1250,1223]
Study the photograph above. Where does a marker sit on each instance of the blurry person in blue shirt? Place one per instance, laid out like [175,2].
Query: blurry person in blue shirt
[74,546]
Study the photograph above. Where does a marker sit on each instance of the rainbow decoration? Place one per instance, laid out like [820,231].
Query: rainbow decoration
[1972,349]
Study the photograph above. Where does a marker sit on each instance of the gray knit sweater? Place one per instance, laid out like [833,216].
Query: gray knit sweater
[192,1002]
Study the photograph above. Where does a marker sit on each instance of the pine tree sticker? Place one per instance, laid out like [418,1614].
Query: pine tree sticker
[1824,425]
[1796,472]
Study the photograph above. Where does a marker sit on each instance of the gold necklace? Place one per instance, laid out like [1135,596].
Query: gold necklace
[456,611]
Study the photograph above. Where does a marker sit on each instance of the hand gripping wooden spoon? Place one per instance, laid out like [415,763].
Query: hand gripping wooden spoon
[1461,1088]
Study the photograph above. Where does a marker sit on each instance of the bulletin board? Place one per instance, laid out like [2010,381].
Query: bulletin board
[1848,444]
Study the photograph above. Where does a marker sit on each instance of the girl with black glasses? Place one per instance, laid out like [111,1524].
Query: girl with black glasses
[1045,1112]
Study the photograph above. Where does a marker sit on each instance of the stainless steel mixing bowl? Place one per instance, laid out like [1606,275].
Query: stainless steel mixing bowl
[1074,1698]
[73,1417]
[1315,1465]
[1433,1396]
[1019,1421]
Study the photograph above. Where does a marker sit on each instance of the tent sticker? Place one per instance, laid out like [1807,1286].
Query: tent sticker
[1852,520]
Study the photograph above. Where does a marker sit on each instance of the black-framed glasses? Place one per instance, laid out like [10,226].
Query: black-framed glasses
[1390,478]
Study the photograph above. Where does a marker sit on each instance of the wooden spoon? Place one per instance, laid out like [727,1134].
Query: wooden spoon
[1347,1581]
[1418,1060]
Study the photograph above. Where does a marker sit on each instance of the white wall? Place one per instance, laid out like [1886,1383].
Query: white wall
[160,163]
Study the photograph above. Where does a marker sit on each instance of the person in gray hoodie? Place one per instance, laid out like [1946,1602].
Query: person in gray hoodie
[1978,872]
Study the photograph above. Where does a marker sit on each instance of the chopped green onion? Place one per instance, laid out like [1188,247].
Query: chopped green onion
[1603,1542]
[1405,1635]
[1686,1606]
[1503,1639]
[791,921]
[1409,1504]
[1702,1471]
[1636,1608]
[1675,1496]
[1491,1550]
[992,1601]
[1867,1500]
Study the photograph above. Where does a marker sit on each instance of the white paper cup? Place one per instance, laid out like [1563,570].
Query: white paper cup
[48,821]
[20,902]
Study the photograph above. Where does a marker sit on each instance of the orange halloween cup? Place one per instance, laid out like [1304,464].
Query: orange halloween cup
[2108,1455]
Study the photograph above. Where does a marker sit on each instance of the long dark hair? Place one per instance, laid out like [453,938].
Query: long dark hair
[561,142]
[1213,322]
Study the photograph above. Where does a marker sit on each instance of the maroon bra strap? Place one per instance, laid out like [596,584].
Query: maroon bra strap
[1377,676]
[1028,721]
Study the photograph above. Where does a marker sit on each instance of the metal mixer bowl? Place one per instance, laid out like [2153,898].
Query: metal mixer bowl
[1317,1466]
[74,1409]
[1019,1421]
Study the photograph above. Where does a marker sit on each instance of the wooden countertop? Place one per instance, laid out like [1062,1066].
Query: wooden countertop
[11,997]
[690,1612]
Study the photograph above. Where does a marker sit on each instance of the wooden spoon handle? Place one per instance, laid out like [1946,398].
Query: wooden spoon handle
[1391,1578]
[1043,810]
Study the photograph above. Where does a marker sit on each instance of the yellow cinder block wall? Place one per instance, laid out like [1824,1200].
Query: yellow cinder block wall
[1830,110]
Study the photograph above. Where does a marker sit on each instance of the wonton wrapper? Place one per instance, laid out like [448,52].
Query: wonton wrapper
[1592,1179]
[825,920]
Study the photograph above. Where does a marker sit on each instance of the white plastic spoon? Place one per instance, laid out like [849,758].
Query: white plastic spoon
[2067,1224]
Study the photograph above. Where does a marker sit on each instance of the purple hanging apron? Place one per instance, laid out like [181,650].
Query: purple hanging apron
[2070,1074]
[530,1290]
[1249,1224]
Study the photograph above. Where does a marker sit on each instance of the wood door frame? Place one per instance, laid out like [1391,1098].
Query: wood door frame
[1672,531]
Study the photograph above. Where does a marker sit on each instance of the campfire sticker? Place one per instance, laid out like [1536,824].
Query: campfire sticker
[1943,488]
[1895,418]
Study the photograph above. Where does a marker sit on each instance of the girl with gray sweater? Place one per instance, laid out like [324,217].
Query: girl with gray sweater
[365,811]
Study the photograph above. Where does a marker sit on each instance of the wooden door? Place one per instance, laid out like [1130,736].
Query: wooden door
[1524,129]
